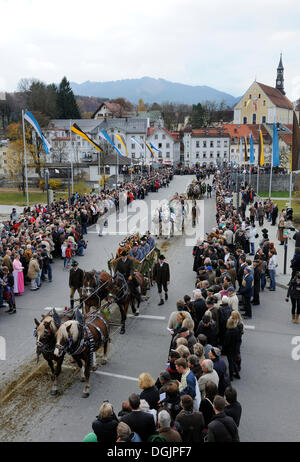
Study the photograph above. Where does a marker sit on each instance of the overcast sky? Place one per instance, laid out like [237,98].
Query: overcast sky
[224,44]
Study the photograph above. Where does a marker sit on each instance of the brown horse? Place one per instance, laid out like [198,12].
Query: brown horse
[93,290]
[118,290]
[81,338]
[45,333]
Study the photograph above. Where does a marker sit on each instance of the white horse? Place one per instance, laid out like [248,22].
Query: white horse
[166,221]
[155,225]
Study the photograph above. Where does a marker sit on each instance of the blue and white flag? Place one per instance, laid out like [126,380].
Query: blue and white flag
[139,145]
[33,122]
[154,147]
[275,147]
[107,138]
[252,159]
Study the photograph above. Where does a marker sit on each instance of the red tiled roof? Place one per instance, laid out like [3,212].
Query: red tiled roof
[276,96]
[237,130]
[63,138]
[209,133]
[287,138]
[174,135]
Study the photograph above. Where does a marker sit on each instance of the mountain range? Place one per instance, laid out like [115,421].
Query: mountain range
[152,90]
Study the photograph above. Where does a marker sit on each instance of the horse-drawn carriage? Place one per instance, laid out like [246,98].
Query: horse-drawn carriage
[145,266]
[194,190]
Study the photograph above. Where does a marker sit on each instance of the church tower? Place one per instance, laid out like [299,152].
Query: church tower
[280,79]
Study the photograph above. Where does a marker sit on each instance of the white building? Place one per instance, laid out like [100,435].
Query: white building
[167,142]
[206,146]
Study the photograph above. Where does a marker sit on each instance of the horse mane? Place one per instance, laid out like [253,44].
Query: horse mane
[46,319]
[62,332]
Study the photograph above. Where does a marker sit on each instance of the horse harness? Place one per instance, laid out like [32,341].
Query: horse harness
[86,339]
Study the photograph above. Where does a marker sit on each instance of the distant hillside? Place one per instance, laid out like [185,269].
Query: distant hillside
[151,91]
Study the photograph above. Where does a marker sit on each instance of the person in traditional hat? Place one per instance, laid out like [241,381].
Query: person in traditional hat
[125,266]
[75,282]
[161,275]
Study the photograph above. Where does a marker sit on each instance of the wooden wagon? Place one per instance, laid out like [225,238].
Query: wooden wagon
[145,267]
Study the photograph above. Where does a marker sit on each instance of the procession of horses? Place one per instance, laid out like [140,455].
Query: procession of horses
[84,330]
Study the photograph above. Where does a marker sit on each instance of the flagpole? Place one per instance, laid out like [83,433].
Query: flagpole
[25,160]
[291,184]
[71,160]
[270,184]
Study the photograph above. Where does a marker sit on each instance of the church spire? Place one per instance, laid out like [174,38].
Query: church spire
[279,78]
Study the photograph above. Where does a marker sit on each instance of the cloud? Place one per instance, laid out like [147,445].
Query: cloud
[219,44]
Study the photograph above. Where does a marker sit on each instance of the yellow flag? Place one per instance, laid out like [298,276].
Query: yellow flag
[122,142]
[261,149]
[76,129]
[149,147]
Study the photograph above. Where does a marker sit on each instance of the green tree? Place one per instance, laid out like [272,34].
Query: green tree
[67,106]
[197,116]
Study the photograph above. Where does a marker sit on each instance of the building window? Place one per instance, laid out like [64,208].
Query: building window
[244,120]
[218,143]
[133,146]
[160,145]
[259,95]
[204,144]
[142,145]
[168,154]
[218,154]
[225,144]
[263,119]
[254,118]
[197,144]
[187,155]
[211,144]
[133,155]
[156,137]
[204,155]
[164,137]
[197,155]
[167,145]
[232,150]
[264,102]
[141,137]
[211,154]
[225,153]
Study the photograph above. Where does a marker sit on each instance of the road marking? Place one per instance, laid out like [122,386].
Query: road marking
[147,316]
[118,376]
[249,327]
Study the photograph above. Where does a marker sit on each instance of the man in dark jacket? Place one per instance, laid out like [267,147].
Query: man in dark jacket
[161,275]
[125,266]
[191,423]
[233,407]
[256,283]
[208,328]
[225,311]
[221,369]
[222,428]
[246,290]
[75,282]
[139,421]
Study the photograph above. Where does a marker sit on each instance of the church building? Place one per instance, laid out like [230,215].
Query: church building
[264,104]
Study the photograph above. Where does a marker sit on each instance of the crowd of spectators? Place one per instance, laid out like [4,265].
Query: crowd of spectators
[31,241]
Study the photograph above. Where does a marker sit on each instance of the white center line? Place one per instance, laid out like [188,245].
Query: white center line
[110,374]
[147,316]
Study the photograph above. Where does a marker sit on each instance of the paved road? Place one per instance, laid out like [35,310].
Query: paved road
[267,390]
